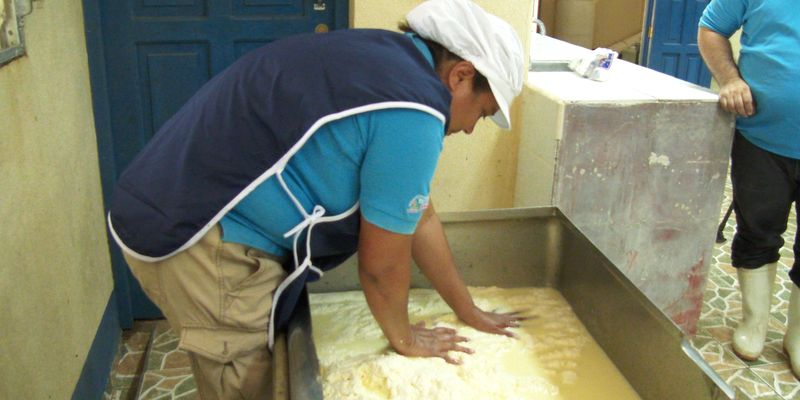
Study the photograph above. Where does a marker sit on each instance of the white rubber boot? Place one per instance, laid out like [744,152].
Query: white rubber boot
[756,286]
[791,341]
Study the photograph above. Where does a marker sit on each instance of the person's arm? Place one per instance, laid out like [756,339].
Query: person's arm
[734,92]
[432,254]
[384,269]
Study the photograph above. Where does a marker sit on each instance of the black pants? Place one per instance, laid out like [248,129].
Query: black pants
[764,187]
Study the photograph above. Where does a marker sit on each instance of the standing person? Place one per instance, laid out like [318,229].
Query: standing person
[764,92]
[296,156]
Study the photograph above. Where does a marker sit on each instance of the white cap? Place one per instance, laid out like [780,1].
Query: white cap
[488,42]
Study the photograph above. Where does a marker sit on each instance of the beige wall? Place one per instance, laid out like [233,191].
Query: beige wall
[55,275]
[611,21]
[547,14]
[476,171]
[617,20]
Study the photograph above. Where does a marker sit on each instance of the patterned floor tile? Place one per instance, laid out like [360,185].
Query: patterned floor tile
[164,353]
[168,375]
[130,363]
[126,372]
[121,394]
[750,383]
[720,328]
[720,301]
[168,384]
[715,353]
[780,378]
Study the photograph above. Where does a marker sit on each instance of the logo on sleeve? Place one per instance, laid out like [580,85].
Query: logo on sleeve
[418,204]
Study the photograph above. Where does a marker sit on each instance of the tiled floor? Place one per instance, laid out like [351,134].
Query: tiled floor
[769,377]
[165,374]
[164,371]
[128,365]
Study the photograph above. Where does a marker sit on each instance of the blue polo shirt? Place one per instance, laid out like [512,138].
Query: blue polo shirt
[384,159]
[768,62]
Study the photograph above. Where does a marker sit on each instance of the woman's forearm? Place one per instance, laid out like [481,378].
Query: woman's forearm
[384,269]
[432,254]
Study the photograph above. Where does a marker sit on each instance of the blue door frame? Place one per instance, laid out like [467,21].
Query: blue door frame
[131,302]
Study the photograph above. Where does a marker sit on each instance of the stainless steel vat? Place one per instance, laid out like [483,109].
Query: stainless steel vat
[540,247]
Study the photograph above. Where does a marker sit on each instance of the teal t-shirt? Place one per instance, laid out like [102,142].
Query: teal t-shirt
[768,62]
[385,159]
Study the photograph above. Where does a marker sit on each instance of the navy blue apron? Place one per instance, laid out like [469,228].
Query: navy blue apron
[243,126]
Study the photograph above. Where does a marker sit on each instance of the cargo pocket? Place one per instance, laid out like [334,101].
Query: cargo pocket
[247,304]
[221,344]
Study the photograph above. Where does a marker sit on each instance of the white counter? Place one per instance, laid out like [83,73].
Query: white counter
[628,81]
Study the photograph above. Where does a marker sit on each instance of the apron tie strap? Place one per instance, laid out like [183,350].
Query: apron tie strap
[316,214]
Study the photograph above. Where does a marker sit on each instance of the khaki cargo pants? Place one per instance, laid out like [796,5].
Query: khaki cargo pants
[217,296]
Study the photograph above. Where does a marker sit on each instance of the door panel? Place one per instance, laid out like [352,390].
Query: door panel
[268,7]
[158,53]
[169,74]
[168,8]
[242,47]
[672,45]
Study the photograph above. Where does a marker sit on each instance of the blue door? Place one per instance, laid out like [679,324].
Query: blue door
[155,54]
[670,45]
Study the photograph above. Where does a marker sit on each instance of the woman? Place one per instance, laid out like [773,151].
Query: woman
[293,158]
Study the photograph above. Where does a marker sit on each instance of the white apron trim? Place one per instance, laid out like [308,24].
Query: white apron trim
[279,166]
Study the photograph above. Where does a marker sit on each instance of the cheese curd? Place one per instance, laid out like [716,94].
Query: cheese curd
[553,357]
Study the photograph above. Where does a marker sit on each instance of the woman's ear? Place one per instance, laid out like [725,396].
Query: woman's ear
[461,72]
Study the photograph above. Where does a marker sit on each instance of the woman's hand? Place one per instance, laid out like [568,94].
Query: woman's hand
[493,322]
[435,342]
